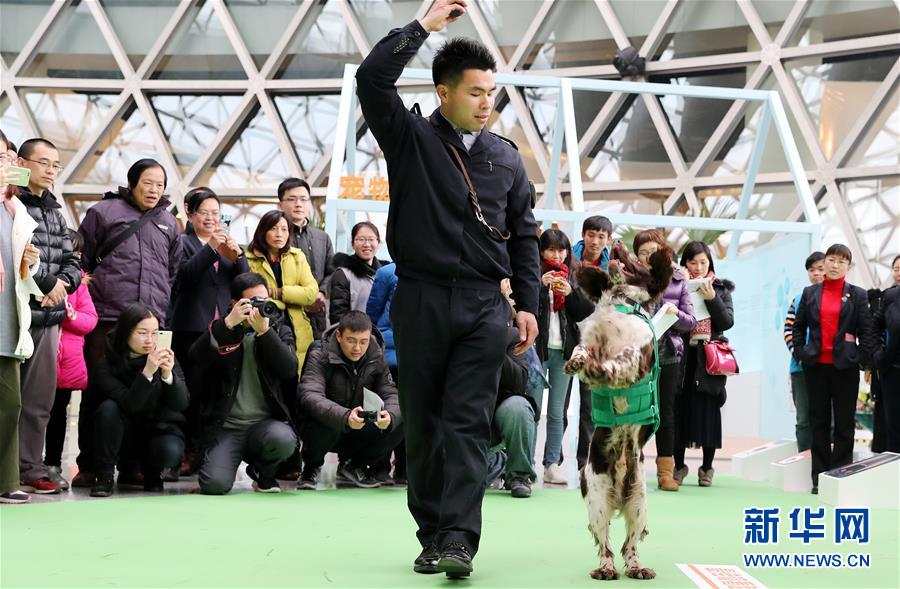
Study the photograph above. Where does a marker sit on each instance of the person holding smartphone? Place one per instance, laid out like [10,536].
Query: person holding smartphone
[142,397]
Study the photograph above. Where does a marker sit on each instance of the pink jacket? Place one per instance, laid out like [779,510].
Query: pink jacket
[72,371]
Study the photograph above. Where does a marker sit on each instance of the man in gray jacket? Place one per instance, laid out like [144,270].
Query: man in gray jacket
[294,199]
[348,360]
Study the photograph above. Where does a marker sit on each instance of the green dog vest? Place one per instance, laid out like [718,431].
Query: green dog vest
[643,396]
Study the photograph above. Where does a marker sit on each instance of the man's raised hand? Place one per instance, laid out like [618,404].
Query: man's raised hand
[442,13]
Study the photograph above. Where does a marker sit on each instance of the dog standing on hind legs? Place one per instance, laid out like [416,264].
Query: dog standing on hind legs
[617,357]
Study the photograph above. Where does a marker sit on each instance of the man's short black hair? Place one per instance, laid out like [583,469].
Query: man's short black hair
[841,251]
[244,281]
[813,258]
[458,55]
[597,223]
[355,321]
[290,184]
[27,149]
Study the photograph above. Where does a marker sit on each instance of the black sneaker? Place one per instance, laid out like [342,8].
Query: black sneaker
[309,479]
[354,475]
[519,488]
[426,562]
[103,486]
[261,485]
[815,490]
[455,560]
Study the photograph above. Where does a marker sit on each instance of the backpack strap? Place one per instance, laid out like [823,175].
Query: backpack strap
[110,246]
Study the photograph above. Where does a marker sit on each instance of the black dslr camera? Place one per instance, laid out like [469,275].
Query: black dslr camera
[368,416]
[266,307]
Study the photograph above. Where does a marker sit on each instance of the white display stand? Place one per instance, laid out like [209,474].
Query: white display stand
[753,464]
[874,482]
[792,474]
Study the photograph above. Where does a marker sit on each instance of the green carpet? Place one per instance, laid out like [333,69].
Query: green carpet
[359,538]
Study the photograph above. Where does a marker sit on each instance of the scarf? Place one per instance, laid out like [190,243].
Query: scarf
[559,299]
[11,208]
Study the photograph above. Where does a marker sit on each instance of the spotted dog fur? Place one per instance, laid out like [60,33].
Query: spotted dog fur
[616,351]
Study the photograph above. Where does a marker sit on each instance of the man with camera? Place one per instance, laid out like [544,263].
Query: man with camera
[347,393]
[244,359]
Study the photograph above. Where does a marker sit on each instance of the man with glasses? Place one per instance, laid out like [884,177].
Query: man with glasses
[294,200]
[58,276]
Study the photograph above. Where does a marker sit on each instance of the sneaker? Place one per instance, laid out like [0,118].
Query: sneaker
[55,475]
[354,475]
[41,486]
[133,478]
[815,490]
[705,477]
[84,478]
[426,562]
[103,486]
[261,485]
[169,475]
[554,475]
[680,473]
[455,560]
[16,497]
[309,479]
[520,488]
[384,478]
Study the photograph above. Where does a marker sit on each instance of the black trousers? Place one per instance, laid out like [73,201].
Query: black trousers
[669,387]
[450,346]
[890,400]
[832,394]
[364,447]
[94,351]
[55,438]
[117,436]
[585,424]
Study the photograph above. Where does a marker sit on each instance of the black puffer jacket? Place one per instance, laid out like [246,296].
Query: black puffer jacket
[57,258]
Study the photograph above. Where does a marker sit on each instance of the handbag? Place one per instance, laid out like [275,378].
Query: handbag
[720,359]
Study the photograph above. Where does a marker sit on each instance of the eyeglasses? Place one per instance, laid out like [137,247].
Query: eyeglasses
[144,334]
[293,199]
[365,240]
[56,167]
[212,214]
[837,261]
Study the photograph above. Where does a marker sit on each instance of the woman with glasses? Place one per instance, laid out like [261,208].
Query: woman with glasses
[291,283]
[833,338]
[354,274]
[142,395]
[210,260]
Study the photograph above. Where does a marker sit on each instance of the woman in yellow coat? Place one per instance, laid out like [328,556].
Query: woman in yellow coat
[291,282]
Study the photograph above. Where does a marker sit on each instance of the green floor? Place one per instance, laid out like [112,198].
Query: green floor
[360,538]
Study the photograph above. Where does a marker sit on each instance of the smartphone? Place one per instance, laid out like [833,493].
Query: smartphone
[17,176]
[164,340]
[226,222]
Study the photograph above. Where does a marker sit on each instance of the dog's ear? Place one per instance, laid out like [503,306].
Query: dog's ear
[593,281]
[660,271]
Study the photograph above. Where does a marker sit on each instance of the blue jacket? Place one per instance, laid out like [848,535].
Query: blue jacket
[578,252]
[379,308]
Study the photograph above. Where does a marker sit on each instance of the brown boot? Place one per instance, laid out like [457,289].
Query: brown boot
[665,466]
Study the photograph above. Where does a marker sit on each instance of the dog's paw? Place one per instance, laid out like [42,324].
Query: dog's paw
[606,573]
[576,362]
[639,573]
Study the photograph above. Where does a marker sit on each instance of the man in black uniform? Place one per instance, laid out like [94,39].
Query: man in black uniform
[460,221]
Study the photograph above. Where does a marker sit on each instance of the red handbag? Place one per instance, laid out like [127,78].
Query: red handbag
[720,359]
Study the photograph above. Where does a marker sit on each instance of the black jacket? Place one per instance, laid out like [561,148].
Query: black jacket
[578,307]
[218,356]
[887,330]
[340,301]
[331,386]
[721,317]
[152,403]
[854,322]
[432,233]
[200,288]
[58,260]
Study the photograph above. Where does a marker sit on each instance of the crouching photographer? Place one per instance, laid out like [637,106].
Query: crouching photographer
[244,359]
[350,400]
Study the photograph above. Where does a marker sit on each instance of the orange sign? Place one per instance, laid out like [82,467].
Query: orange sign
[357,188]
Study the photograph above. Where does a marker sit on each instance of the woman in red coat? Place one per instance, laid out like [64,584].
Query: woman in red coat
[81,318]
